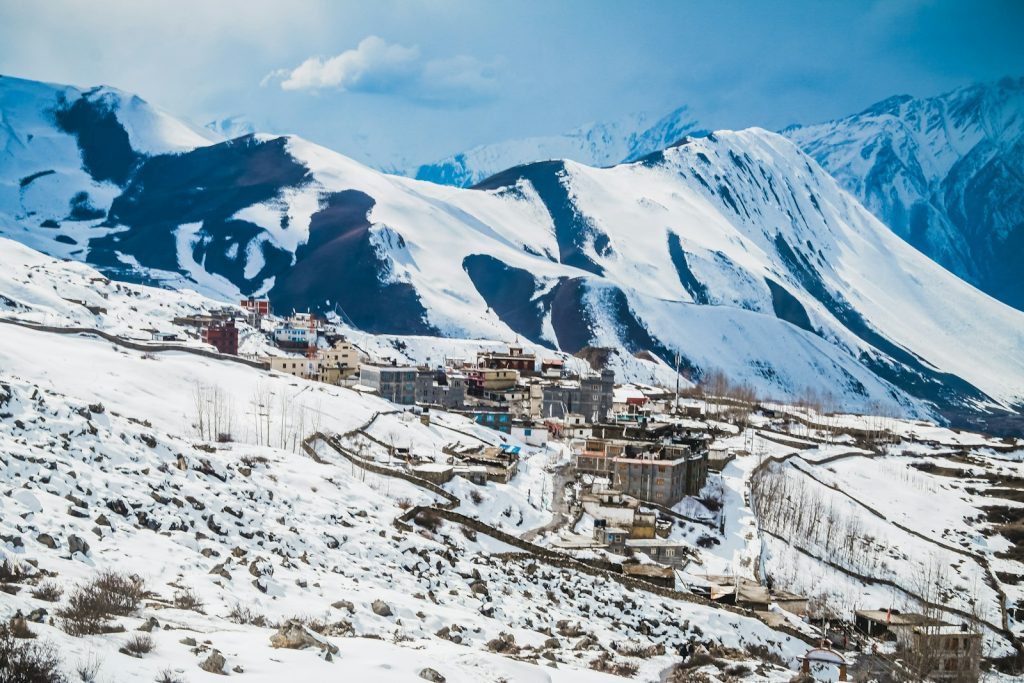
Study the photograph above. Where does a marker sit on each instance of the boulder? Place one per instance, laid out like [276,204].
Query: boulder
[345,605]
[381,608]
[214,664]
[77,544]
[432,675]
[47,540]
[295,635]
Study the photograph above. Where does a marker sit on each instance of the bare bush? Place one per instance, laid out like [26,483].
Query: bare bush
[169,676]
[89,668]
[92,604]
[186,598]
[138,645]
[428,519]
[245,615]
[50,591]
[25,661]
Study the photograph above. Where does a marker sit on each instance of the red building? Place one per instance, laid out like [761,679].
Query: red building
[257,306]
[223,336]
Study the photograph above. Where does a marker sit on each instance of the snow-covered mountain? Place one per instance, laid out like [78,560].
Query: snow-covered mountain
[595,144]
[946,173]
[735,249]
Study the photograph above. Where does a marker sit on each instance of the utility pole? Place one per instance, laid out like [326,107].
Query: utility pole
[675,406]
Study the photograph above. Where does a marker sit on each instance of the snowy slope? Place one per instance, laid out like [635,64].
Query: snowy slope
[595,144]
[735,249]
[99,444]
[945,173]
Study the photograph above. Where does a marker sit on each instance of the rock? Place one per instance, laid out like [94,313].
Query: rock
[505,643]
[381,608]
[296,636]
[188,641]
[219,570]
[149,625]
[552,643]
[214,664]
[345,605]
[479,587]
[238,669]
[47,540]
[37,615]
[77,544]
[432,675]
[102,520]
[261,567]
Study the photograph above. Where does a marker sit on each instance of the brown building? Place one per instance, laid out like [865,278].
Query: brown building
[514,359]
[223,336]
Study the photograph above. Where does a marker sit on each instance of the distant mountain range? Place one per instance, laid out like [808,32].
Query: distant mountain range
[735,249]
[946,173]
[596,144]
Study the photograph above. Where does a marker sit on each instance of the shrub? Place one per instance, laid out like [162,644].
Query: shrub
[476,497]
[49,591]
[428,519]
[187,598]
[24,661]
[19,629]
[243,614]
[403,503]
[138,645]
[168,676]
[92,604]
[88,668]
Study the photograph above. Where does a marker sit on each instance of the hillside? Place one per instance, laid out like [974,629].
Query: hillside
[944,172]
[735,250]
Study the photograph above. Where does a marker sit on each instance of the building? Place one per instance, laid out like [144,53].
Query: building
[339,362]
[514,359]
[260,307]
[651,573]
[590,396]
[392,382]
[481,380]
[663,552]
[255,310]
[291,337]
[295,365]
[531,434]
[440,388]
[223,336]
[657,473]
[950,653]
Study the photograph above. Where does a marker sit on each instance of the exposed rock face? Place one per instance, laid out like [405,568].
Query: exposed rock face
[296,636]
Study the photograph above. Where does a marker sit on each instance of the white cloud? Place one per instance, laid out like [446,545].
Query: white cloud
[376,66]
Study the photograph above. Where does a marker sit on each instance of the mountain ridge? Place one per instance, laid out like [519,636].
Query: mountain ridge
[735,249]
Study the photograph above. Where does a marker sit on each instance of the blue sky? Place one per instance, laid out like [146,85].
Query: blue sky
[400,82]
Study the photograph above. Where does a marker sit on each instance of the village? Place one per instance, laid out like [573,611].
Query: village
[636,476]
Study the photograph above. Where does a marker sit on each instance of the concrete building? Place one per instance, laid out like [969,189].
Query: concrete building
[392,382]
[590,396]
[440,388]
[342,360]
[650,472]
[295,365]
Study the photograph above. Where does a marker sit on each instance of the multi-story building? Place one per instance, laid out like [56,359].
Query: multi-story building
[395,383]
[490,379]
[515,359]
[651,472]
[590,396]
[440,388]
[338,362]
[223,336]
